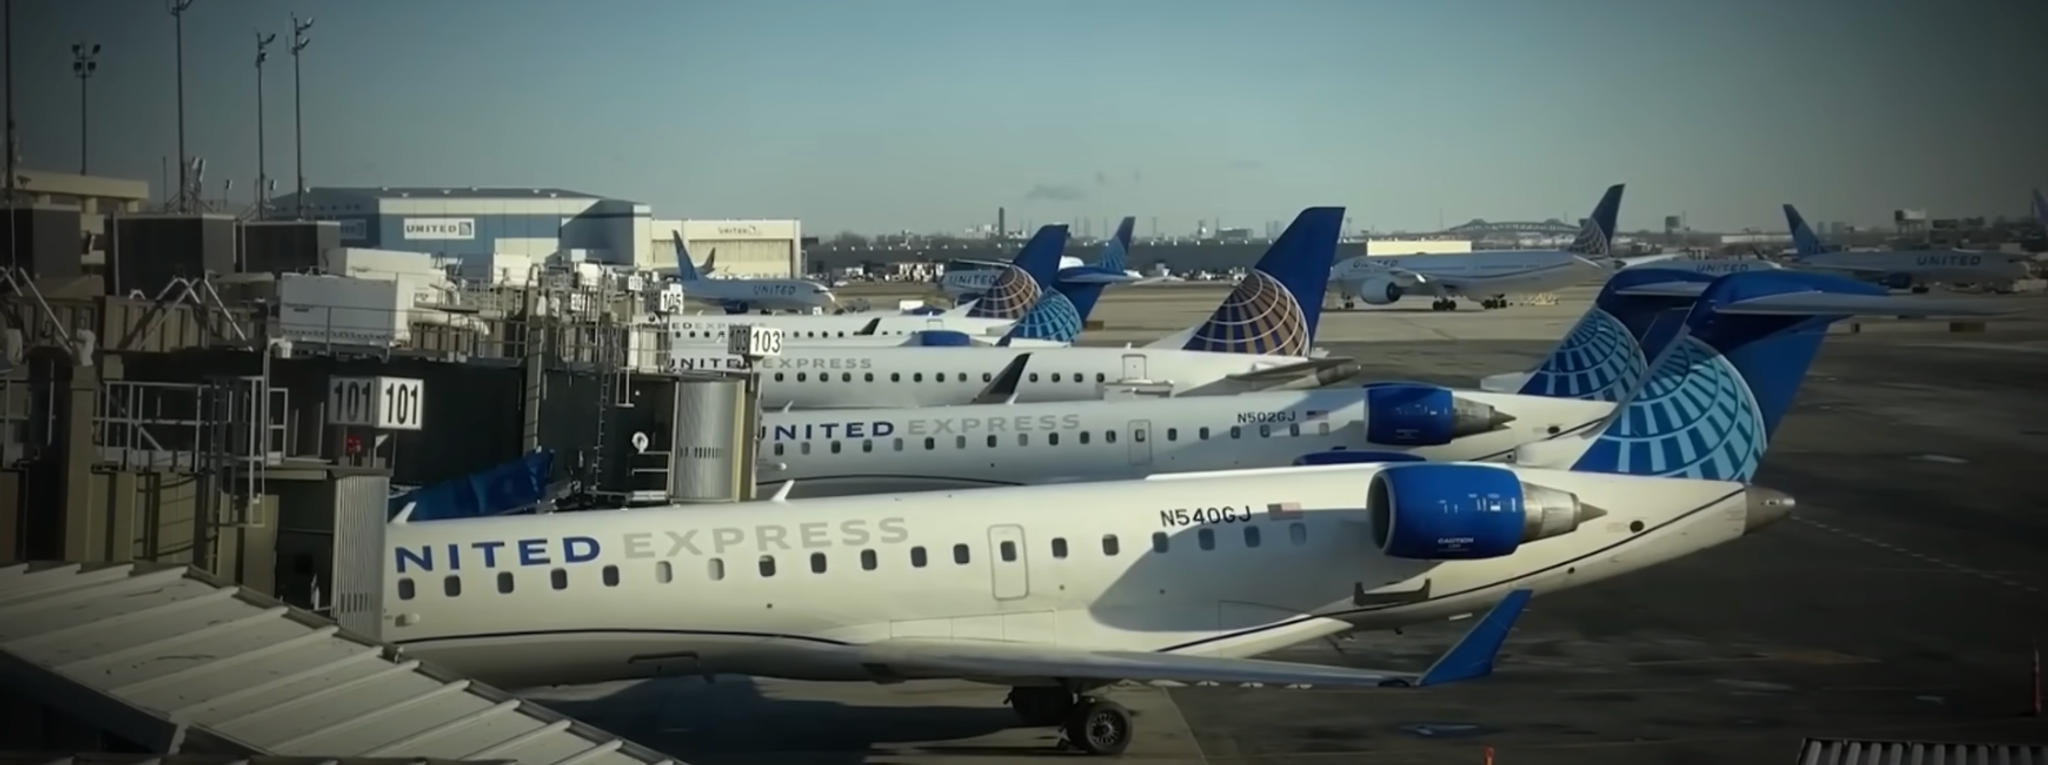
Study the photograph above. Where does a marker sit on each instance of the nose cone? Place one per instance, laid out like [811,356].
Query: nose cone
[1766,506]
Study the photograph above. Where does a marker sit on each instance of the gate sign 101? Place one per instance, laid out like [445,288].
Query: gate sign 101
[388,403]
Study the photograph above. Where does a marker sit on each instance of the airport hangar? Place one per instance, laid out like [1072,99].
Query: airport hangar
[540,223]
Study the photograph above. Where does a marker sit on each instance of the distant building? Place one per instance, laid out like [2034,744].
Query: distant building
[539,223]
[744,248]
[1417,246]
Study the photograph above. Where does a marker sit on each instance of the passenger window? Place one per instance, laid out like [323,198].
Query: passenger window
[1202,434]
[835,447]
[824,377]
[803,448]
[778,450]
[1297,533]
[663,572]
[867,445]
[940,377]
[1023,439]
[930,444]
[960,554]
[1159,541]
[868,377]
[1100,377]
[778,377]
[817,563]
[985,377]
[917,377]
[717,569]
[1109,436]
[917,557]
[1109,545]
[1323,428]
[895,377]
[405,589]
[1173,434]
[767,566]
[558,579]
[1055,377]
[991,441]
[1052,439]
[505,582]
[611,576]
[959,442]
[867,560]
[1084,436]
[1294,430]
[846,377]
[1265,431]
[1008,550]
[1251,536]
[1059,547]
[1034,377]
[899,444]
[1206,539]
[1236,431]
[451,585]
[802,376]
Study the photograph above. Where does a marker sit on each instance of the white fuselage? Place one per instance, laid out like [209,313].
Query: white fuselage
[969,280]
[889,329]
[760,294]
[1708,266]
[870,451]
[1471,274]
[1192,564]
[1924,266]
[823,377]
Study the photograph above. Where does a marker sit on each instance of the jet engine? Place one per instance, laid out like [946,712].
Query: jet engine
[1379,290]
[932,338]
[1412,414]
[1463,511]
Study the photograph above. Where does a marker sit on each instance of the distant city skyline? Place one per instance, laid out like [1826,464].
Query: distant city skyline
[927,115]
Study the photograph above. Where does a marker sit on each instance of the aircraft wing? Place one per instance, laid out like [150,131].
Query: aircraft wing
[1665,289]
[1471,657]
[1307,373]
[1086,276]
[1797,303]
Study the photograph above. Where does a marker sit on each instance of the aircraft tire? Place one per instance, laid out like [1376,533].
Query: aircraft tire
[1100,727]
[1042,706]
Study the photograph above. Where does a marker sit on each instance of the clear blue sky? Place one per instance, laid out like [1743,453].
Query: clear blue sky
[874,115]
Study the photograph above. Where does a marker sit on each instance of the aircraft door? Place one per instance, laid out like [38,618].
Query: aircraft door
[1134,366]
[1009,577]
[1139,434]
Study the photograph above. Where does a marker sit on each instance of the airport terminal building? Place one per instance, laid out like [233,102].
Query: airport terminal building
[543,223]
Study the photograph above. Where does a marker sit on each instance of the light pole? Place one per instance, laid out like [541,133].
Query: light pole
[84,61]
[299,42]
[177,8]
[262,201]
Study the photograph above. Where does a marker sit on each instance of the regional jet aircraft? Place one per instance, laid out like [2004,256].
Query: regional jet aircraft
[1259,338]
[744,295]
[1603,359]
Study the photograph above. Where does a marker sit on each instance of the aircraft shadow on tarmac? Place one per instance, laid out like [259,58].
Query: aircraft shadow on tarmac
[732,721]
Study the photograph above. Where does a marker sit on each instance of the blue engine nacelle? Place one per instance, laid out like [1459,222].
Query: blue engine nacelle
[1349,457]
[1897,281]
[940,338]
[1417,414]
[1464,511]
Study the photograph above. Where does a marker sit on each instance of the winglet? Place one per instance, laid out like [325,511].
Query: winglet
[782,492]
[1472,657]
[871,326]
[1003,389]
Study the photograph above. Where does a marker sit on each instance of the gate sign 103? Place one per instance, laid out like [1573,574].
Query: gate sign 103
[753,341]
[386,403]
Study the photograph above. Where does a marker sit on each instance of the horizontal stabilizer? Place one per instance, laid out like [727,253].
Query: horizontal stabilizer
[1089,276]
[1472,657]
[1665,289]
[1835,303]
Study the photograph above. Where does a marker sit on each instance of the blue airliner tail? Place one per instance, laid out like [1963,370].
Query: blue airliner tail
[1275,309]
[1804,242]
[1054,317]
[1118,248]
[1596,237]
[2040,209]
[1083,295]
[1609,350]
[1720,386]
[685,270]
[1025,279]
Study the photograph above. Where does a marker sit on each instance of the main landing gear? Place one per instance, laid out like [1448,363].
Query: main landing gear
[1091,725]
[1497,301]
[1444,304]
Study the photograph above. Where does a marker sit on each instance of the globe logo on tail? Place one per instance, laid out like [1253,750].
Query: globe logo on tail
[1053,318]
[1259,317]
[1012,294]
[1597,361]
[1695,417]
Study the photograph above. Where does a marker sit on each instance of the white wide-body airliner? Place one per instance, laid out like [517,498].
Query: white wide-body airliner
[1054,591]
[1486,276]
[1259,338]
[1906,269]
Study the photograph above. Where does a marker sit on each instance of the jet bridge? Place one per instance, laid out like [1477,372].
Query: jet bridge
[166,659]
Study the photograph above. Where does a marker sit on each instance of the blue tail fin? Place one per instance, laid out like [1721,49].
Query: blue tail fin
[1804,242]
[1608,351]
[1118,247]
[2040,209]
[1083,295]
[1596,237]
[1053,317]
[1717,392]
[1275,309]
[1018,288]
[685,270]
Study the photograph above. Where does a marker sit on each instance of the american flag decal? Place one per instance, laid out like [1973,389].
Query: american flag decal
[1280,511]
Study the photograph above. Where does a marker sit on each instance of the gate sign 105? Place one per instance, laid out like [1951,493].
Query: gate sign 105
[387,403]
